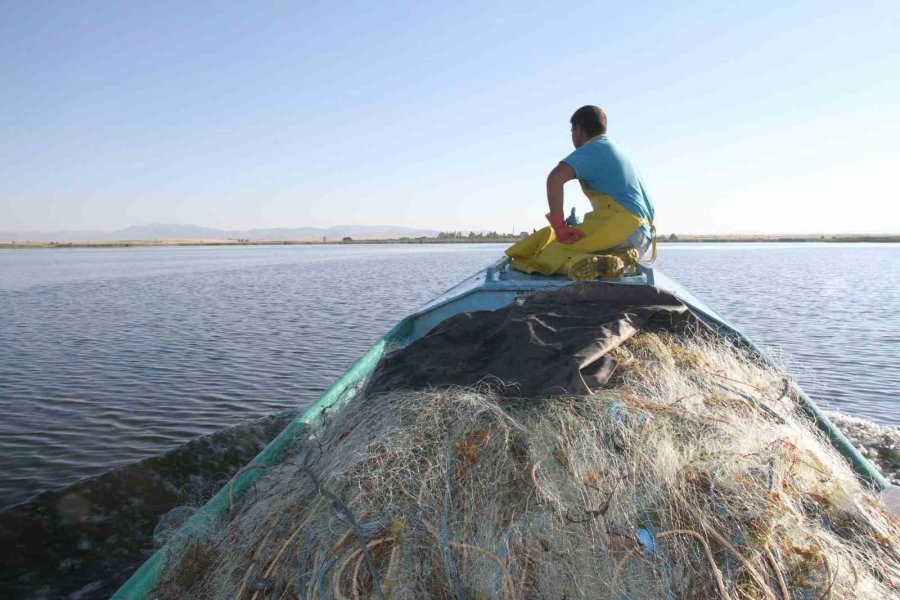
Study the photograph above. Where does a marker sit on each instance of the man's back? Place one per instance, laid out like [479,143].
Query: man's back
[603,167]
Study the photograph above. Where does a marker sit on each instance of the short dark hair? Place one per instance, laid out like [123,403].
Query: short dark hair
[591,119]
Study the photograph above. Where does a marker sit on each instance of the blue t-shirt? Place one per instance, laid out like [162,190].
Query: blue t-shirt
[602,167]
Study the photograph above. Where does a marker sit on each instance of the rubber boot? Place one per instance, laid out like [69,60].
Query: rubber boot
[629,256]
[591,266]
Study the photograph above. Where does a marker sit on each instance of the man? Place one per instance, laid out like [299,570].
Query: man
[620,226]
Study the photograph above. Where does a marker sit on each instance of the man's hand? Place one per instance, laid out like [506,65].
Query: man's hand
[564,233]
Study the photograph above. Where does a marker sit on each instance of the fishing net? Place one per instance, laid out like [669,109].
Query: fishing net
[689,475]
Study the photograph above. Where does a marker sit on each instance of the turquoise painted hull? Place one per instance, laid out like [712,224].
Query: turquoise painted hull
[490,288]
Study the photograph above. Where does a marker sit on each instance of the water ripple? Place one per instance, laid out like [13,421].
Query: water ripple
[830,311]
[108,357]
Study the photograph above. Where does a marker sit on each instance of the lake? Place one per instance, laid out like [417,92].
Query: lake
[111,356]
[137,380]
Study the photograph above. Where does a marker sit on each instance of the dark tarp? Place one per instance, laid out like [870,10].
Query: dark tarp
[550,343]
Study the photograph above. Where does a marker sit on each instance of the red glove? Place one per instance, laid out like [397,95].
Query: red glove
[566,234]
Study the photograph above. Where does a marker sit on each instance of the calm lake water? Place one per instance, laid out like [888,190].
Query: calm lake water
[111,356]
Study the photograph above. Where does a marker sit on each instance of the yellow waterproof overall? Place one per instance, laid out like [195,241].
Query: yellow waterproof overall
[605,227]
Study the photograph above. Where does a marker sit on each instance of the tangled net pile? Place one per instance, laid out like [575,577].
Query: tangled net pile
[690,476]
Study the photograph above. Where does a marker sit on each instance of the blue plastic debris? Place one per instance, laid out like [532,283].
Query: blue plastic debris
[646,540]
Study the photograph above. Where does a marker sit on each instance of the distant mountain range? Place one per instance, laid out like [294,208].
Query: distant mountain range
[162,231]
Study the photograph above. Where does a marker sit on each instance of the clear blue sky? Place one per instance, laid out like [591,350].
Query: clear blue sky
[765,117]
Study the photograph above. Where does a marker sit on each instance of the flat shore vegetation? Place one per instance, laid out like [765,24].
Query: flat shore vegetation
[667,239]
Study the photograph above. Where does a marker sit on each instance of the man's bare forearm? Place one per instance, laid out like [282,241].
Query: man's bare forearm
[555,181]
[555,197]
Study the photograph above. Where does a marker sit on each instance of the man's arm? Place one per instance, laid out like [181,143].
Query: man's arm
[555,180]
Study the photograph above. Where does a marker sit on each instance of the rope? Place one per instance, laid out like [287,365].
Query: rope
[833,573]
[277,557]
[507,581]
[256,555]
[781,584]
[233,479]
[760,580]
[341,509]
[709,557]
[539,489]
[356,578]
[339,571]
[303,564]
[320,578]
[785,393]
[753,401]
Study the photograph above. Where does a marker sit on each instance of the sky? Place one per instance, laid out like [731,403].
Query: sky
[756,117]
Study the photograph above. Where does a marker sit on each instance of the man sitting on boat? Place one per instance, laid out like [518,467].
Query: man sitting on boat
[616,234]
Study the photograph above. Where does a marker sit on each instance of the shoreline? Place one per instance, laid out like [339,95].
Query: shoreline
[689,239]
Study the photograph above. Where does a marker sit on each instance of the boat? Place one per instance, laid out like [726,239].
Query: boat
[491,288]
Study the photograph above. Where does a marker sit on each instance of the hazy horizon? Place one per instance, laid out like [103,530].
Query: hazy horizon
[339,230]
[760,119]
